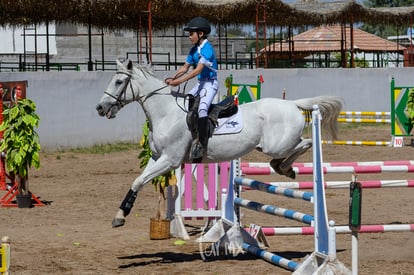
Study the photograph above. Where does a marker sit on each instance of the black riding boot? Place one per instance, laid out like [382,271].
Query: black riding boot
[199,146]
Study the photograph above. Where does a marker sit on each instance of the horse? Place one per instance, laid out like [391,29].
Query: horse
[270,125]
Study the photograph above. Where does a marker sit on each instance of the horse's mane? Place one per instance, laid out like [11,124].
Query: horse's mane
[146,71]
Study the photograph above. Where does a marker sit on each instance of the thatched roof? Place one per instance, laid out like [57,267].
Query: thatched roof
[125,14]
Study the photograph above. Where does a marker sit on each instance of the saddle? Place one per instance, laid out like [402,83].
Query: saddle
[224,108]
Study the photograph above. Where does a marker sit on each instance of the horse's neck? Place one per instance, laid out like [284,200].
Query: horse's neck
[161,105]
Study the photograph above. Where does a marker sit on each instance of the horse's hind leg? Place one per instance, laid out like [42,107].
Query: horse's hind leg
[284,166]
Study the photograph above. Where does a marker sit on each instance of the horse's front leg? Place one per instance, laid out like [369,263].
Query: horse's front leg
[152,170]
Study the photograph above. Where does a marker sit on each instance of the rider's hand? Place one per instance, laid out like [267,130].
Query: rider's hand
[171,81]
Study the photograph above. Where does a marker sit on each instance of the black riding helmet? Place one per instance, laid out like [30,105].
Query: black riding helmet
[198,24]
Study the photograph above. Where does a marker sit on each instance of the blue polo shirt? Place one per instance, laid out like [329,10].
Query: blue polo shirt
[204,54]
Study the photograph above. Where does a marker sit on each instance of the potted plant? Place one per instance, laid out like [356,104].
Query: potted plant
[21,145]
[159,225]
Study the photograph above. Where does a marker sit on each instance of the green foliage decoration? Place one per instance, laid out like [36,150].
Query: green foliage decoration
[20,140]
[161,181]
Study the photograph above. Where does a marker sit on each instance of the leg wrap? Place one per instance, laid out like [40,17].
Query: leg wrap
[128,202]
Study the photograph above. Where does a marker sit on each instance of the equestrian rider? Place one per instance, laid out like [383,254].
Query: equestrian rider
[203,58]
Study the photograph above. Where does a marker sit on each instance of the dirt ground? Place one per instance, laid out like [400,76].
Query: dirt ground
[73,233]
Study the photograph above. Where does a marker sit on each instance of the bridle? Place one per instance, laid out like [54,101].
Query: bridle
[135,97]
[123,91]
[143,98]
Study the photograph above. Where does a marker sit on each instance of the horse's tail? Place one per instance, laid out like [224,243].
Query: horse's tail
[329,106]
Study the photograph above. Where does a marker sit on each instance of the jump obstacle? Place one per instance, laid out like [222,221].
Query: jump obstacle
[373,165]
[366,184]
[309,230]
[340,167]
[325,250]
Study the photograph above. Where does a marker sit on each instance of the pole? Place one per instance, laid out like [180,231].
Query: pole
[24,48]
[355,202]
[47,47]
[351,29]
[354,252]
[90,64]
[175,47]
[35,46]
[150,31]
[103,49]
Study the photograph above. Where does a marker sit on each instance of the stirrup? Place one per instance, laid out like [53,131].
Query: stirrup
[197,150]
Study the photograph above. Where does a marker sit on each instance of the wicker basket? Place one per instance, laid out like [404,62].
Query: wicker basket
[160,229]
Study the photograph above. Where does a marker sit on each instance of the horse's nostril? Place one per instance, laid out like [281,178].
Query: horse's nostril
[99,107]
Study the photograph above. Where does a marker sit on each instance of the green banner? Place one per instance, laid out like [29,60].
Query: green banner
[401,124]
[244,92]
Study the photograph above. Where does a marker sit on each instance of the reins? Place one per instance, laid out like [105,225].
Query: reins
[143,98]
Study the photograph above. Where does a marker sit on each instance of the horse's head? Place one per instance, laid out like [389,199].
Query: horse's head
[117,94]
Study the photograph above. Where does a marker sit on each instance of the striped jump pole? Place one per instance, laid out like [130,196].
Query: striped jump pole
[345,184]
[364,113]
[270,257]
[359,163]
[332,170]
[345,163]
[365,120]
[343,229]
[257,185]
[357,142]
[274,210]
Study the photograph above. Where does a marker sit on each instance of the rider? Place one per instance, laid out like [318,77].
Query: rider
[201,56]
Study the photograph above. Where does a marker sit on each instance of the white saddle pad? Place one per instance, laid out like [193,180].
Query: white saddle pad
[229,125]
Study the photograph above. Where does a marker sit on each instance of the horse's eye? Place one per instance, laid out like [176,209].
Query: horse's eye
[118,81]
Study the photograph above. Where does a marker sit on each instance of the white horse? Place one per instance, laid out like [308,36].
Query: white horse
[272,126]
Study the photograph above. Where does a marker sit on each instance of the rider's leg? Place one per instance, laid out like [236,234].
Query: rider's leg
[203,135]
[207,94]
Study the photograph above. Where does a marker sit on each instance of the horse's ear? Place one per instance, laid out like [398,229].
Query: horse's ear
[119,64]
[129,66]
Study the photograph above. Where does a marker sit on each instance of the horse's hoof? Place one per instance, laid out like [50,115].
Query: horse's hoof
[275,164]
[291,174]
[118,222]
